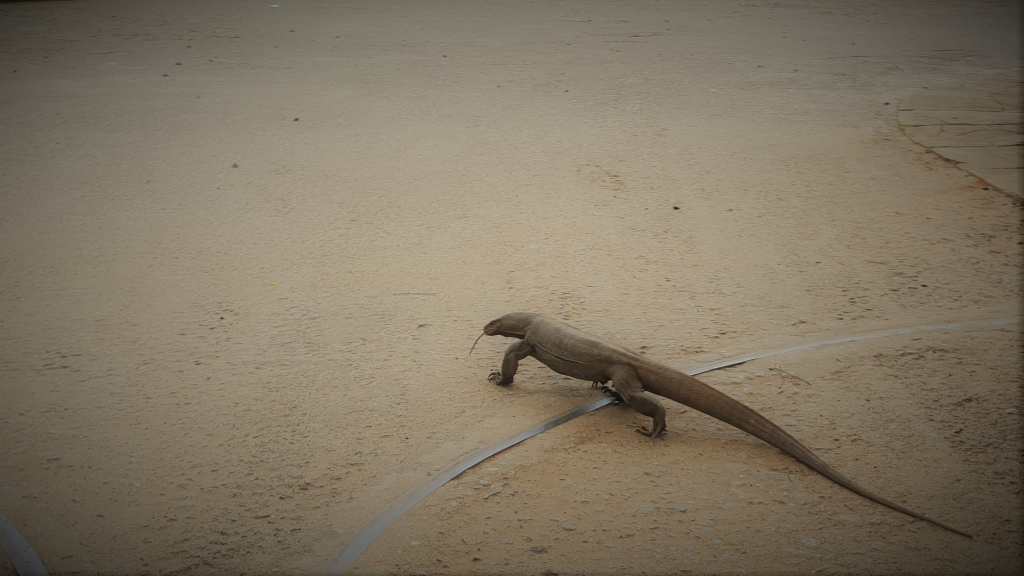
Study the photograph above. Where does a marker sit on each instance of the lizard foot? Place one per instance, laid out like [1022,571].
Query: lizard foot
[611,392]
[495,378]
[652,433]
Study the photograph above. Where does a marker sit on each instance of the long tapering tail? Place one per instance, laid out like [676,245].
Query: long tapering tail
[675,385]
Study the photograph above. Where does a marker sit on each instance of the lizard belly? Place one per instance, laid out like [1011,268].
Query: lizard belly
[583,371]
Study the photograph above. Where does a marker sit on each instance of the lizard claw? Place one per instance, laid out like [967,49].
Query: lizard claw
[494,377]
[611,392]
[652,433]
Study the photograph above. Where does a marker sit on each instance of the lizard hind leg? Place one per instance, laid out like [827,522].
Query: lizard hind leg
[631,390]
[609,391]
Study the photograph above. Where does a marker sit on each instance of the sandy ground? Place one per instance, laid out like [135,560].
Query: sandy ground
[244,250]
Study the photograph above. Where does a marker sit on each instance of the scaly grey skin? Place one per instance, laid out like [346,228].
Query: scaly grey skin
[575,353]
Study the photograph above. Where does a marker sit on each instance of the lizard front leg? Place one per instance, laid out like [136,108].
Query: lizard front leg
[510,364]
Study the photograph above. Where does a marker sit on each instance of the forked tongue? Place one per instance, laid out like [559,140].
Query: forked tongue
[482,334]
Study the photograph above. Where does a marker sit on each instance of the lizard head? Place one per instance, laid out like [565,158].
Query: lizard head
[512,325]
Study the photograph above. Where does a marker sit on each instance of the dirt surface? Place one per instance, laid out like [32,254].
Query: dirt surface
[244,249]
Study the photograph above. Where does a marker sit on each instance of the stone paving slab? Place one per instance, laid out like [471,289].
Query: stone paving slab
[932,101]
[1005,179]
[963,135]
[933,117]
[979,125]
[991,157]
